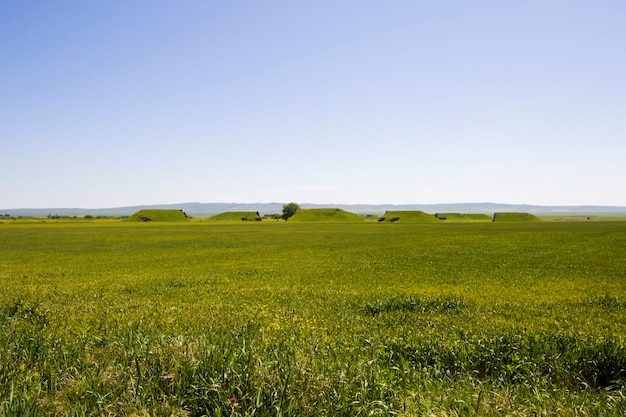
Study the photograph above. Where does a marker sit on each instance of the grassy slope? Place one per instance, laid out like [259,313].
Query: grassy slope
[324,215]
[334,319]
[410,217]
[234,216]
[515,217]
[159,216]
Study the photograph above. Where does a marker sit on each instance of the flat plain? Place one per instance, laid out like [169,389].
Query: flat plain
[332,319]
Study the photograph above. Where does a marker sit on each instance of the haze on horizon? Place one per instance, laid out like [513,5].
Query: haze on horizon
[111,104]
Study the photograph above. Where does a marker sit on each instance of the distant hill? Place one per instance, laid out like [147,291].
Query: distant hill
[210,209]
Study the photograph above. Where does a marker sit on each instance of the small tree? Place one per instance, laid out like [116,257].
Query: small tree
[289,210]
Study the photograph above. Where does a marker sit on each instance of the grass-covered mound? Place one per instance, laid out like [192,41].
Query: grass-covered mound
[477,216]
[515,217]
[158,216]
[236,216]
[324,215]
[408,217]
[459,217]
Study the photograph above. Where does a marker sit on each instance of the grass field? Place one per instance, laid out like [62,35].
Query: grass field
[333,319]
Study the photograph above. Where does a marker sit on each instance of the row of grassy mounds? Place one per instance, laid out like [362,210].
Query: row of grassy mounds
[325,215]
[158,216]
[515,217]
[459,217]
[333,215]
[236,216]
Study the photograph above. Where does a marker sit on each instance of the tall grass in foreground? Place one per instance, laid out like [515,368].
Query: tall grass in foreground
[367,319]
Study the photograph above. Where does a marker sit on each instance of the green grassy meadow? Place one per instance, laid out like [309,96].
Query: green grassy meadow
[313,319]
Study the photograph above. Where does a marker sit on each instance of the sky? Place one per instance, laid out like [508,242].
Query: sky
[119,103]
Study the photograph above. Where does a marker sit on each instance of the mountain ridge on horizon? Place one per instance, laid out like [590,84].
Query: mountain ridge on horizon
[208,209]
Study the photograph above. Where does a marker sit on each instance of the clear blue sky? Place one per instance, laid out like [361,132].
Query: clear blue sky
[115,103]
